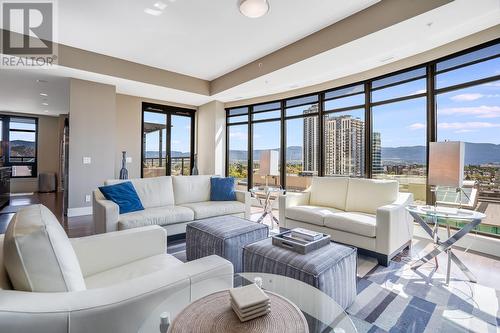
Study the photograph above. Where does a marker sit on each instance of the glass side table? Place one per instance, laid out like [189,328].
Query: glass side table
[266,195]
[428,217]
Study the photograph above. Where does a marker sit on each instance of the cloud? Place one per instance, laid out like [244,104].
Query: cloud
[238,135]
[482,111]
[467,125]
[417,126]
[492,84]
[466,97]
[464,131]
[421,91]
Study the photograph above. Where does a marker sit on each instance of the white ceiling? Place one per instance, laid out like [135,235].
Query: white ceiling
[20,92]
[201,38]
[450,22]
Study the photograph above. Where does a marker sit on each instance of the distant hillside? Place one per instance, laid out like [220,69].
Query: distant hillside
[22,148]
[476,153]
[154,154]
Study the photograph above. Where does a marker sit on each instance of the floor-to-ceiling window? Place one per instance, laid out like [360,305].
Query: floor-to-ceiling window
[167,140]
[399,130]
[238,159]
[468,110]
[301,141]
[381,128]
[20,137]
[266,144]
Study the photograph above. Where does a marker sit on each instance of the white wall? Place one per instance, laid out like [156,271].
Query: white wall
[211,138]
[92,128]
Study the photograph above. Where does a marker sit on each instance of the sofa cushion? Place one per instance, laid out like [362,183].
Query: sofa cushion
[4,278]
[189,189]
[222,189]
[356,223]
[366,195]
[124,195]
[329,192]
[155,216]
[310,214]
[132,270]
[203,210]
[153,192]
[38,255]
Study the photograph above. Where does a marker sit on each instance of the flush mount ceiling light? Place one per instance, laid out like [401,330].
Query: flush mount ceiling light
[254,8]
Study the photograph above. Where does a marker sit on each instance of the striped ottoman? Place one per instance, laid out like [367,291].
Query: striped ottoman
[224,236]
[331,269]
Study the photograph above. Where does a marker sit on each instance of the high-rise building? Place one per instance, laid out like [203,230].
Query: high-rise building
[311,139]
[377,154]
[344,145]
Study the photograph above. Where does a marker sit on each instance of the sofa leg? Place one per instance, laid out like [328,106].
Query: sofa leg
[383,259]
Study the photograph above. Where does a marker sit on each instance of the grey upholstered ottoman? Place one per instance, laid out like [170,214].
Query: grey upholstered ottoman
[331,269]
[224,236]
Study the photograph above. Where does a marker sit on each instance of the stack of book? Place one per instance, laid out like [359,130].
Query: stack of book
[303,235]
[249,302]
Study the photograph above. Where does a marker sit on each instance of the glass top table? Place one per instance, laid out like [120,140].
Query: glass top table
[266,195]
[430,217]
[322,313]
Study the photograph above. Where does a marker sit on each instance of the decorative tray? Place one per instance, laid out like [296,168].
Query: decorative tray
[285,241]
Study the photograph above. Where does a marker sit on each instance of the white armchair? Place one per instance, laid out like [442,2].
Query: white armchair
[127,275]
[368,214]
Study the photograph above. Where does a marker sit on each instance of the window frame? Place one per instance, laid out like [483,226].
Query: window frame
[6,130]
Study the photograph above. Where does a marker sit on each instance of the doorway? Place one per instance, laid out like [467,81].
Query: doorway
[167,140]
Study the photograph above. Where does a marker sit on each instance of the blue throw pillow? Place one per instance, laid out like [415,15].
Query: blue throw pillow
[124,195]
[222,189]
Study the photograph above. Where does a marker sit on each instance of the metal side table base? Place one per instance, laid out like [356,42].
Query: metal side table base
[446,245]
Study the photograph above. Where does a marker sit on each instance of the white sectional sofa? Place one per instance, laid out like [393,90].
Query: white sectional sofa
[169,201]
[365,213]
[122,278]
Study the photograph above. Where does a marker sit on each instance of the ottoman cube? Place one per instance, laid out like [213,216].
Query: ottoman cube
[224,236]
[331,269]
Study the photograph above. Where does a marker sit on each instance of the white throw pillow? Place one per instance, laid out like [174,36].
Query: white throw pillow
[38,255]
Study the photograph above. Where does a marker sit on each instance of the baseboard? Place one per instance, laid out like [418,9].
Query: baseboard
[79,211]
[477,243]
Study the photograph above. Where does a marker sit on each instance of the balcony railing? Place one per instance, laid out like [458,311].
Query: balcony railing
[155,166]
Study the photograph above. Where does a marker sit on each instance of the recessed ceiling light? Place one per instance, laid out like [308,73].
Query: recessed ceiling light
[294,86]
[41,81]
[45,104]
[153,12]
[160,5]
[43,94]
[387,59]
[254,8]
[45,111]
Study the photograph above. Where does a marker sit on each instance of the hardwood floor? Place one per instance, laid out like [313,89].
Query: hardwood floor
[486,268]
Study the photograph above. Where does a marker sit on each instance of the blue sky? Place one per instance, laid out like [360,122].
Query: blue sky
[181,132]
[471,114]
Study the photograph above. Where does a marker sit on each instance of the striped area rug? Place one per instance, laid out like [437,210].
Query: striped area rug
[398,299]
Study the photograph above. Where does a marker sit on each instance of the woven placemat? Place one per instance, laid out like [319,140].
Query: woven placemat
[213,314]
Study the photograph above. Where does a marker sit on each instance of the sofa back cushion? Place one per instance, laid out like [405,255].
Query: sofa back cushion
[153,192]
[329,192]
[4,278]
[188,189]
[38,255]
[366,195]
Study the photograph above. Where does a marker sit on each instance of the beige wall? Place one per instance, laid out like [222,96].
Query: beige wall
[128,130]
[92,128]
[47,151]
[211,138]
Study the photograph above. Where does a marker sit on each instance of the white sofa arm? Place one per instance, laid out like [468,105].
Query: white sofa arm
[246,198]
[102,252]
[289,200]
[394,224]
[106,213]
[207,275]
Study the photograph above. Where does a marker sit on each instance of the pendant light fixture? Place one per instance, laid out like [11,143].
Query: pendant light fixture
[254,8]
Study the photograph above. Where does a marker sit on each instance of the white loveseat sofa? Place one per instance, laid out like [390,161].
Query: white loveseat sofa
[122,278]
[169,201]
[365,213]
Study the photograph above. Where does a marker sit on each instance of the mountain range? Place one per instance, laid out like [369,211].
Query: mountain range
[475,153]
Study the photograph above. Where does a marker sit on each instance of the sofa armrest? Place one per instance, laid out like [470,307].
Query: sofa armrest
[289,200]
[106,213]
[102,252]
[394,224]
[246,198]
[208,275]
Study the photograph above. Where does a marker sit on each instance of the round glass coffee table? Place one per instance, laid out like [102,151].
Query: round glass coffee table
[321,312]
